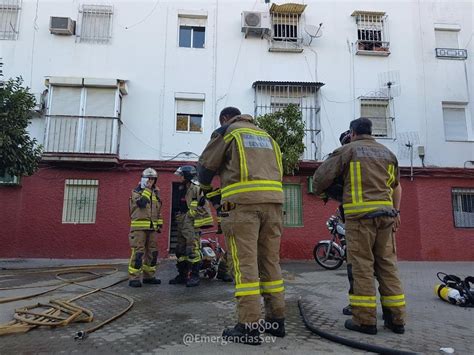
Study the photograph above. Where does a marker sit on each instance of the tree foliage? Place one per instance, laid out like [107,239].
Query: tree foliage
[19,153]
[288,129]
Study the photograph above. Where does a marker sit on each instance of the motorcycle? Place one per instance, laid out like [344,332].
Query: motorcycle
[212,256]
[330,254]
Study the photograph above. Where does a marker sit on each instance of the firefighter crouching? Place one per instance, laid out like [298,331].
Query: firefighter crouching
[194,214]
[146,223]
[249,163]
[371,201]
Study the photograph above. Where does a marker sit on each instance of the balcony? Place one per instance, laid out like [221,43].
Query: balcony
[375,48]
[81,138]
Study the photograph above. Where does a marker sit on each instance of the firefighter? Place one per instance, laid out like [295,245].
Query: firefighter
[146,223]
[249,163]
[194,214]
[371,201]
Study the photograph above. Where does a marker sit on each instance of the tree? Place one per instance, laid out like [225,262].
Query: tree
[19,153]
[287,129]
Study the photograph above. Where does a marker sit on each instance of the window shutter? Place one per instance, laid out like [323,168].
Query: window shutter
[100,102]
[190,107]
[66,101]
[446,39]
[192,21]
[455,127]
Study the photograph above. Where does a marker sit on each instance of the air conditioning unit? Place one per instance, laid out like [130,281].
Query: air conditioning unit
[62,26]
[255,22]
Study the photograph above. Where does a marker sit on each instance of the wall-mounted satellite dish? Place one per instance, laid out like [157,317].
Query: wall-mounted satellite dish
[313,31]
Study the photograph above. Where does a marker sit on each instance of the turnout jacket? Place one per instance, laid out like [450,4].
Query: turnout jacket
[369,171]
[145,209]
[247,160]
[201,215]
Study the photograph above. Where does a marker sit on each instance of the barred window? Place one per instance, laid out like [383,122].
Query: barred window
[292,206]
[372,32]
[96,23]
[9,19]
[80,201]
[463,207]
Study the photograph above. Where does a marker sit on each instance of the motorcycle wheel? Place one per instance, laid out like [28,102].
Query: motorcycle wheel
[333,261]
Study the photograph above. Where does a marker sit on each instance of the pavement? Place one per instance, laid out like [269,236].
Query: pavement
[175,319]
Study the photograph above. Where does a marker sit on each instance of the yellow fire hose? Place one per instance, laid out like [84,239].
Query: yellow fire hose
[60,313]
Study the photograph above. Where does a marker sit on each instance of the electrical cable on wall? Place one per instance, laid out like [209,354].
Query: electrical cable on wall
[145,18]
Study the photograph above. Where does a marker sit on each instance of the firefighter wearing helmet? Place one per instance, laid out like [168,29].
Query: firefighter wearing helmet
[193,214]
[145,224]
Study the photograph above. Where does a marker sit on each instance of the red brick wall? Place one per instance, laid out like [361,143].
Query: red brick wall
[31,219]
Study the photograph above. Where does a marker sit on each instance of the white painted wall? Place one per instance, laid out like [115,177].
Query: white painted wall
[144,50]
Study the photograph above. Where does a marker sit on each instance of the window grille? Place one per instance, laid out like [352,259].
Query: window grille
[372,33]
[80,201]
[96,24]
[274,96]
[9,19]
[292,206]
[189,115]
[378,111]
[463,207]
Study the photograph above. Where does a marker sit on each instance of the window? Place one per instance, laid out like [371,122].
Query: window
[80,201]
[7,179]
[377,110]
[446,38]
[192,31]
[372,33]
[82,120]
[189,115]
[286,31]
[292,206]
[272,96]
[457,126]
[9,19]
[96,24]
[463,207]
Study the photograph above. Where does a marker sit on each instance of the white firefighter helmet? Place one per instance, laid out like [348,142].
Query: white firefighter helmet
[150,173]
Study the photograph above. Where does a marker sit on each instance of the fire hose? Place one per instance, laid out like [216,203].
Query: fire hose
[61,313]
[349,342]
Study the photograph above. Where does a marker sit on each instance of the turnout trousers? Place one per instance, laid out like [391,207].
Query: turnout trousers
[371,253]
[144,254]
[253,234]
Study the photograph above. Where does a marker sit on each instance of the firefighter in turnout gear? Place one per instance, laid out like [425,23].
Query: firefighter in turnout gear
[146,223]
[194,214]
[249,164]
[371,201]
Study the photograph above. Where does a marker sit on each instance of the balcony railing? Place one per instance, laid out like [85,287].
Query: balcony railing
[81,135]
[371,47]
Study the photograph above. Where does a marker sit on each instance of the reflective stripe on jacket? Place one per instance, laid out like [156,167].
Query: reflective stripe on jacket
[201,214]
[145,210]
[369,171]
[248,161]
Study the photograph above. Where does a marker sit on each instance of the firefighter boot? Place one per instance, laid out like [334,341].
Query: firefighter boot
[275,327]
[244,334]
[347,310]
[182,277]
[152,281]
[388,322]
[134,283]
[366,329]
[194,276]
